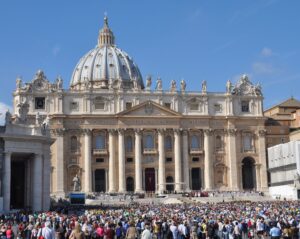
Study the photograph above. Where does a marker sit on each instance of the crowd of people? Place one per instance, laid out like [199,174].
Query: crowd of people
[231,220]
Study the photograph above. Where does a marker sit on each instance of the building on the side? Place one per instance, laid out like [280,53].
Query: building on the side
[25,163]
[284,169]
[282,119]
[119,134]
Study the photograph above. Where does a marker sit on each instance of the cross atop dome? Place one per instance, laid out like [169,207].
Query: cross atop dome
[106,36]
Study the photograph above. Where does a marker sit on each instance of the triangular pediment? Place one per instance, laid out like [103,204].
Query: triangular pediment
[149,108]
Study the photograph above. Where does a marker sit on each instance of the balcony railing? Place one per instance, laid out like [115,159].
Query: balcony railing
[150,151]
[196,151]
[100,151]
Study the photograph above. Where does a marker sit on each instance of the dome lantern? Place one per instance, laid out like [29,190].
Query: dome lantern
[106,36]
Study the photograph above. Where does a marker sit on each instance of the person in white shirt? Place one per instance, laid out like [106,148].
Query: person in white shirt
[146,233]
[47,231]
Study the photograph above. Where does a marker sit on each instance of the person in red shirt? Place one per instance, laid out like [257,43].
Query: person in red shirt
[9,232]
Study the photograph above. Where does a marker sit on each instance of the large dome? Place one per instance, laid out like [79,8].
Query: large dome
[106,66]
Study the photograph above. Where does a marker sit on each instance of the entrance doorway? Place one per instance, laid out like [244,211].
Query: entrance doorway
[170,184]
[196,178]
[129,184]
[150,179]
[100,182]
[248,173]
[17,198]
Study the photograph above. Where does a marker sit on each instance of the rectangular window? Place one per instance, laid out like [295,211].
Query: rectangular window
[74,106]
[99,160]
[245,106]
[195,159]
[99,105]
[128,105]
[194,106]
[168,160]
[129,160]
[40,103]
[168,105]
[218,108]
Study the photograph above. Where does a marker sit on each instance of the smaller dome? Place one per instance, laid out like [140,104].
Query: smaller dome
[106,66]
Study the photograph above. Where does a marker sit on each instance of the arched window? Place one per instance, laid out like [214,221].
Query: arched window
[149,141]
[218,142]
[195,144]
[248,142]
[129,144]
[100,142]
[168,143]
[74,144]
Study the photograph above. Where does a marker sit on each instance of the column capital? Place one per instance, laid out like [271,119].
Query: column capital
[121,131]
[112,131]
[138,130]
[208,132]
[262,132]
[177,131]
[87,131]
[161,131]
[231,132]
[7,153]
[185,132]
[58,132]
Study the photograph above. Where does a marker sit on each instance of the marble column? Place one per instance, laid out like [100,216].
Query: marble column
[138,161]
[6,181]
[208,160]
[59,166]
[161,162]
[185,154]
[177,156]
[121,152]
[257,173]
[87,161]
[231,138]
[111,163]
[46,177]
[37,199]
[263,161]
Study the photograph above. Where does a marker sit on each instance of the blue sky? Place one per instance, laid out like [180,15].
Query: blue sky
[196,40]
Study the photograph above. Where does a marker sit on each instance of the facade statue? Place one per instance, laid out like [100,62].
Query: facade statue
[204,87]
[45,123]
[158,84]
[182,85]
[173,86]
[22,112]
[7,118]
[19,83]
[76,184]
[148,82]
[135,84]
[59,83]
[228,87]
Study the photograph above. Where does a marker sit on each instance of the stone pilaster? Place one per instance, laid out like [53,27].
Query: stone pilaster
[185,154]
[47,178]
[59,166]
[138,162]
[87,161]
[6,181]
[262,159]
[232,159]
[37,203]
[121,152]
[111,169]
[177,156]
[208,160]
[161,161]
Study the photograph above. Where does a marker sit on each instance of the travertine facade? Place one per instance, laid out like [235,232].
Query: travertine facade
[120,135]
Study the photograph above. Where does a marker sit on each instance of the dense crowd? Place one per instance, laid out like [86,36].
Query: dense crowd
[235,220]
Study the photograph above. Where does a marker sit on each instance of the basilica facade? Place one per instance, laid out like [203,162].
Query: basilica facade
[119,133]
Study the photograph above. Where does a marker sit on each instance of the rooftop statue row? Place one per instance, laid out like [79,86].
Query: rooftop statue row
[40,83]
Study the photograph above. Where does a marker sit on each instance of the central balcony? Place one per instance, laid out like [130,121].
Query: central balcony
[100,151]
